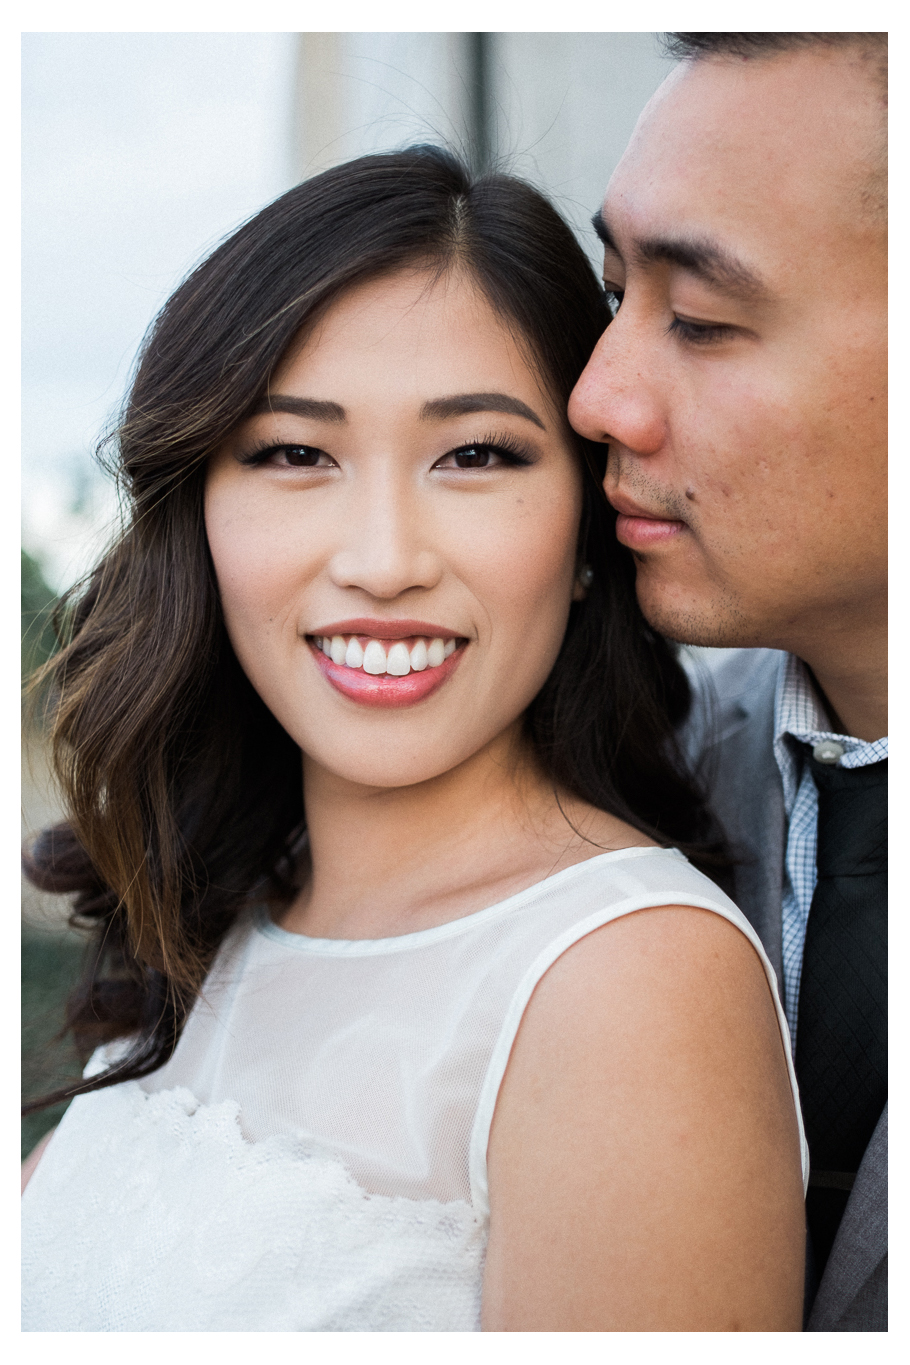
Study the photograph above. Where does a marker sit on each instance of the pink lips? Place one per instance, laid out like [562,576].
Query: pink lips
[637,528]
[383,689]
[643,533]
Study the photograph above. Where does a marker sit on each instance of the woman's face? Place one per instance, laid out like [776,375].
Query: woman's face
[394,533]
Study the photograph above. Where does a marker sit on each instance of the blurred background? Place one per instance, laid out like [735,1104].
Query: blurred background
[141,151]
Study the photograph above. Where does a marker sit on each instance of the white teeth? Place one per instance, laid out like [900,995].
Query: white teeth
[353,655]
[399,662]
[436,653]
[374,659]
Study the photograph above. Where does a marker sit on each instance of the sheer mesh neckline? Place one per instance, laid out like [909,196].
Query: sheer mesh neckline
[353,947]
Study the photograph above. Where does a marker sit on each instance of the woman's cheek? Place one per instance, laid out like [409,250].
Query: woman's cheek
[524,576]
[535,550]
[258,564]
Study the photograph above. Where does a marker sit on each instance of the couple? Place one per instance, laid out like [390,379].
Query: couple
[450,1035]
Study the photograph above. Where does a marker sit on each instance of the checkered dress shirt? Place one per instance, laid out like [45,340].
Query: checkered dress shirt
[799,715]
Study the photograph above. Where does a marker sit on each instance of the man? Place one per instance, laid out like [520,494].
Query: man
[741,389]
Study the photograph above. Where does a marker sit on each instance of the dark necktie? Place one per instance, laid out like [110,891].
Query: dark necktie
[841,1034]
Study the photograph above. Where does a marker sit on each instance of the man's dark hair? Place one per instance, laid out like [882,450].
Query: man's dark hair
[750,45]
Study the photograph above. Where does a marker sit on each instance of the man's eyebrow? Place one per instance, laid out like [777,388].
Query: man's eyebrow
[603,232]
[438,409]
[711,262]
[319,409]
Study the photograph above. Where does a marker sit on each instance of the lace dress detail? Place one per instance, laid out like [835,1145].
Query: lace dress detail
[313,1156]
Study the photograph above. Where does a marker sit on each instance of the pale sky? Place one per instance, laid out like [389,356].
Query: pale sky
[140,152]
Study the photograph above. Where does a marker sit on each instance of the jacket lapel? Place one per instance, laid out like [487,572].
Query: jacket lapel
[739,771]
[859,1248]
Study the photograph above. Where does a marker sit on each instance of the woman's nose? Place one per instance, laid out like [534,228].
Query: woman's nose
[616,398]
[383,548]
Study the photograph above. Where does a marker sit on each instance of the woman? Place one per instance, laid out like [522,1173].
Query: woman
[474,1047]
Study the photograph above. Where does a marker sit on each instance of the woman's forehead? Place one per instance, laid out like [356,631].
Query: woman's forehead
[427,332]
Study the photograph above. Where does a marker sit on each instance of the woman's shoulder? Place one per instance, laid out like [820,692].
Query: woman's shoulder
[647,1075]
[545,920]
[645,915]
[656,987]
[644,909]
[666,947]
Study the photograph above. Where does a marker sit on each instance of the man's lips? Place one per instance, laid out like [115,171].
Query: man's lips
[640,529]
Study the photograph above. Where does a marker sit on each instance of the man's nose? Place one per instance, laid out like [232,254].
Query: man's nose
[382,545]
[616,398]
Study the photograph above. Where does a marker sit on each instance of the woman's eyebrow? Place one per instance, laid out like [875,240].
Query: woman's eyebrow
[438,409]
[320,409]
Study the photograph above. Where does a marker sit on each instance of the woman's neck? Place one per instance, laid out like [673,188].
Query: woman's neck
[386,862]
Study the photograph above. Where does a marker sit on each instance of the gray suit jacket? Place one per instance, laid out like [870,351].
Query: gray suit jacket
[729,741]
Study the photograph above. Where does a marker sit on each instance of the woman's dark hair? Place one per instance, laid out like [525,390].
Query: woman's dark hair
[184,793]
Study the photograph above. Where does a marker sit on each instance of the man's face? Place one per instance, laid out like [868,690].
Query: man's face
[741,386]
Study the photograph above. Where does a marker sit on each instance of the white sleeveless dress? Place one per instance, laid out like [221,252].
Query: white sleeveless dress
[313,1156]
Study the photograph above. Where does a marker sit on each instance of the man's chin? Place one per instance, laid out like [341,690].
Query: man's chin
[715,622]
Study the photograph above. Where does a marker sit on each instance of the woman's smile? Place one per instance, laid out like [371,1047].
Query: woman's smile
[386,672]
[394,663]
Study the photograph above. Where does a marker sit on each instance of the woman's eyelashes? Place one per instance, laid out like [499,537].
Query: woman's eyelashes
[288,456]
[493,452]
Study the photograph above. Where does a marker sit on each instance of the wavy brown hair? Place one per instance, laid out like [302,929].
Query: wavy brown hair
[183,793]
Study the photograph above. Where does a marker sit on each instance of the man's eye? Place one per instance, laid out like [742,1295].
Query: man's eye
[699,333]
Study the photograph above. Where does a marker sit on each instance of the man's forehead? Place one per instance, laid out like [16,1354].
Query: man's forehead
[756,159]
[747,136]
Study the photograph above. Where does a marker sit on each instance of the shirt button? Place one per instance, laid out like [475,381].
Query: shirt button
[829,751]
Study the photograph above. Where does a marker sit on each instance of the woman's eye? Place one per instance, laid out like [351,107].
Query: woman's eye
[305,456]
[293,456]
[480,457]
[475,457]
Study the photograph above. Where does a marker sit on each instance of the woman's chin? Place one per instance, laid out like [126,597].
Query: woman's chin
[380,771]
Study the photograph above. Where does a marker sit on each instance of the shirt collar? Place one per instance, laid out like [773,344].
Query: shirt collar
[800,715]
[798,710]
